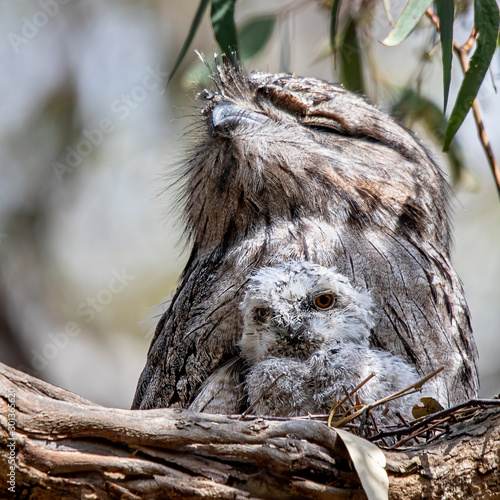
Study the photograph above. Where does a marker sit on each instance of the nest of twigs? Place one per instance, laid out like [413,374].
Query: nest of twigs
[431,421]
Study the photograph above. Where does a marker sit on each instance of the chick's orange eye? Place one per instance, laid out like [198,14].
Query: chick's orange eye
[261,313]
[324,301]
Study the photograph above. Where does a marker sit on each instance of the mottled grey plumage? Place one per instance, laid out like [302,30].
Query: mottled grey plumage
[315,350]
[223,391]
[297,168]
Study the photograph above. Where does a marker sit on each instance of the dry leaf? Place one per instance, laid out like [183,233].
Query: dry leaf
[430,406]
[369,462]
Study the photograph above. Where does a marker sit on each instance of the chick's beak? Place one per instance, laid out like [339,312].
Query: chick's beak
[294,332]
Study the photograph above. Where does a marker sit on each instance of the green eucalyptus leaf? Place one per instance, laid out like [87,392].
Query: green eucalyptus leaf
[486,21]
[445,13]
[334,12]
[351,64]
[222,18]
[407,21]
[387,9]
[191,33]
[254,35]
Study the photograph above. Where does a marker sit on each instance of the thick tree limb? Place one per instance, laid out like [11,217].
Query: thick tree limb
[66,445]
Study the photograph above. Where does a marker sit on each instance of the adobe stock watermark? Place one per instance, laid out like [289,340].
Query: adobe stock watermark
[121,109]
[11,440]
[48,9]
[88,311]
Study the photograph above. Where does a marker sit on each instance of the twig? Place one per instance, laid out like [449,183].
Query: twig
[467,405]
[375,426]
[462,52]
[405,423]
[348,396]
[403,392]
[338,405]
[403,441]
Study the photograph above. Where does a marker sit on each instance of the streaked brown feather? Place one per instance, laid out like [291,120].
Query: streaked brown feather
[325,177]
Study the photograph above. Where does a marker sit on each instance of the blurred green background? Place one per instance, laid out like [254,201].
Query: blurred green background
[89,141]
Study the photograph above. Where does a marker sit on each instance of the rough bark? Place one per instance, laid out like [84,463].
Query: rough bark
[68,446]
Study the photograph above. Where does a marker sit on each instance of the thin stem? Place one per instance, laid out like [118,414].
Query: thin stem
[495,168]
[462,52]
[338,405]
[465,406]
[411,389]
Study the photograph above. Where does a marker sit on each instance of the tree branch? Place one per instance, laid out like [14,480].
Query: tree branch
[66,445]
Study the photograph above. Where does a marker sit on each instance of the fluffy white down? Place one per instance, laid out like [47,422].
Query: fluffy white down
[332,351]
[286,291]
